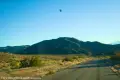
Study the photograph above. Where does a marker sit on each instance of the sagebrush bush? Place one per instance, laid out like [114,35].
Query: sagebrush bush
[35,61]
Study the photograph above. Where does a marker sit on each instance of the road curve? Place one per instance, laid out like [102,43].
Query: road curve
[94,70]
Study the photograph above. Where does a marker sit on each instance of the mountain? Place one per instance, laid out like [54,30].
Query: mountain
[67,45]
[64,45]
[13,49]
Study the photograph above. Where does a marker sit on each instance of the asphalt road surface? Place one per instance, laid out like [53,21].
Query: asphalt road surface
[93,70]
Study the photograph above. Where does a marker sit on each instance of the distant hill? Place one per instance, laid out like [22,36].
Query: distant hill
[116,42]
[64,45]
[13,49]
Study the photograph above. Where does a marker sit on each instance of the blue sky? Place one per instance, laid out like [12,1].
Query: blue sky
[30,21]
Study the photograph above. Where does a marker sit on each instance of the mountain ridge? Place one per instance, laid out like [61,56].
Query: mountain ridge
[68,45]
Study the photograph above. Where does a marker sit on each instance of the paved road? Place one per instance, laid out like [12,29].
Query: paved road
[93,70]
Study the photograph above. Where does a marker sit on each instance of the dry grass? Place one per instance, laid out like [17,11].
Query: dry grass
[45,70]
[52,63]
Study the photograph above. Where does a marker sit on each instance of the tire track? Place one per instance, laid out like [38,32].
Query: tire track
[98,72]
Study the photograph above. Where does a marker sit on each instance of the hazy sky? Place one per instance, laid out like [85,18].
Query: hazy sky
[29,21]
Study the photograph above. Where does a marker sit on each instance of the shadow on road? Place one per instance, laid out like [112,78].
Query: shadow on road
[111,74]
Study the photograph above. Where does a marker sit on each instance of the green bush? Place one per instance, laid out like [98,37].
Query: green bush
[35,61]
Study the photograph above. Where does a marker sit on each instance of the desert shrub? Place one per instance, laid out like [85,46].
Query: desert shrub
[35,61]
[107,57]
[82,56]
[118,54]
[7,69]
[115,57]
[75,57]
[50,72]
[3,65]
[25,62]
[5,57]
[15,64]
[68,59]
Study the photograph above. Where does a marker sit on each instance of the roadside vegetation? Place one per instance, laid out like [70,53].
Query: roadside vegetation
[37,65]
[116,62]
[116,57]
